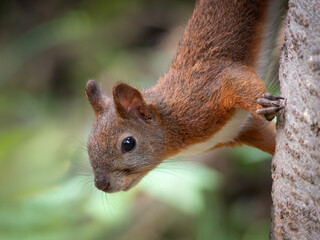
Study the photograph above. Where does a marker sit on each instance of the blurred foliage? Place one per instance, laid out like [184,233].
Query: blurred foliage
[49,49]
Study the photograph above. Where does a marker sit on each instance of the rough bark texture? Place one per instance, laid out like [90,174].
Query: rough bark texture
[296,164]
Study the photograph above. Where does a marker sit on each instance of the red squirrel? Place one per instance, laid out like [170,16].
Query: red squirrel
[211,97]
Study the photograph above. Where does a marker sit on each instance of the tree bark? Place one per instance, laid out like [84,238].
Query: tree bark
[296,163]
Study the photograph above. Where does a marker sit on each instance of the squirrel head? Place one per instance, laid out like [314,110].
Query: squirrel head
[127,140]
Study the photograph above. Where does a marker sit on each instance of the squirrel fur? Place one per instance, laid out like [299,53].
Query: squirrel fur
[208,98]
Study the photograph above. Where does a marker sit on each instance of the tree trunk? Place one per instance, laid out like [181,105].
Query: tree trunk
[296,163]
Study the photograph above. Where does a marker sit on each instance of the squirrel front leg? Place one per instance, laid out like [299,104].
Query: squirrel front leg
[243,89]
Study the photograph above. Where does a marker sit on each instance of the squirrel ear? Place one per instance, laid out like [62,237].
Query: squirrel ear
[129,101]
[96,97]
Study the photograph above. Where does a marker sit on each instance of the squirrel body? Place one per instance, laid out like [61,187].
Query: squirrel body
[207,100]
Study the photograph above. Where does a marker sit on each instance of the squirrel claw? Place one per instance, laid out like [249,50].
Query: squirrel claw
[271,105]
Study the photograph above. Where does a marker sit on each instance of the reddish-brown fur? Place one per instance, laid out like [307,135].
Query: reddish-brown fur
[211,77]
[213,70]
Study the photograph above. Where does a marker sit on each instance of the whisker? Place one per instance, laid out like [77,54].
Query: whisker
[80,169]
[104,202]
[272,86]
[83,143]
[85,184]
[173,168]
[152,179]
[170,173]
[77,147]
[108,204]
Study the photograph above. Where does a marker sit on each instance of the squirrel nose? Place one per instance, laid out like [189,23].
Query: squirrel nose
[102,184]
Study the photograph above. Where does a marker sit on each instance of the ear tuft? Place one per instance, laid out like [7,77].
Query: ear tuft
[129,101]
[96,97]
[91,87]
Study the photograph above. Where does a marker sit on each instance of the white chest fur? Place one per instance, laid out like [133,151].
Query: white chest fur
[227,133]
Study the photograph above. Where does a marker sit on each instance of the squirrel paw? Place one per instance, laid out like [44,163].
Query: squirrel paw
[271,105]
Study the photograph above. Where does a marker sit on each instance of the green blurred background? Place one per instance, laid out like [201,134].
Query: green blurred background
[48,50]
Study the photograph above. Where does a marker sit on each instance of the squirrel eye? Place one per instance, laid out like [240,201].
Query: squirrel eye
[128,144]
